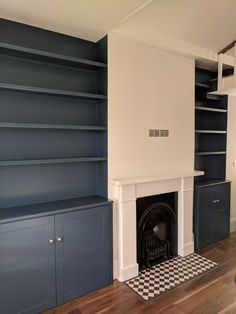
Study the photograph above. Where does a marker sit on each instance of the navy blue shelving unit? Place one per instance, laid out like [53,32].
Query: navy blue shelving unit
[53,168]
[212,191]
[53,116]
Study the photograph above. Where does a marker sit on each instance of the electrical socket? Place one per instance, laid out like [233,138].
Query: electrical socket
[164,133]
[151,133]
[158,133]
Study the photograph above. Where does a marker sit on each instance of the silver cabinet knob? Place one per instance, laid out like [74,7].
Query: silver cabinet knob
[59,239]
[51,241]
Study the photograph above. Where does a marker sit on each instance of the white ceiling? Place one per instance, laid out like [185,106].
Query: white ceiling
[89,19]
[207,23]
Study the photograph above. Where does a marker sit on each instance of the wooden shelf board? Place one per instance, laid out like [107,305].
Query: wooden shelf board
[52,126]
[208,182]
[211,109]
[50,161]
[202,85]
[50,208]
[210,153]
[210,132]
[49,91]
[46,56]
[213,97]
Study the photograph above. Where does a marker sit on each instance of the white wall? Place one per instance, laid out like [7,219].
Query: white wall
[231,156]
[149,88]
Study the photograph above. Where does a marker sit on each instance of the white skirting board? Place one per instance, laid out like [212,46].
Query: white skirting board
[232,225]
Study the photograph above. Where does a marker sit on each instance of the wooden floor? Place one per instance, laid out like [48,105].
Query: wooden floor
[214,292]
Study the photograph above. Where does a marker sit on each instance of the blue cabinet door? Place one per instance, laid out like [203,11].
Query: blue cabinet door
[221,199]
[83,251]
[27,266]
[204,218]
[211,214]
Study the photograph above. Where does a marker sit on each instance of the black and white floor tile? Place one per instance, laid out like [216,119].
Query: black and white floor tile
[169,274]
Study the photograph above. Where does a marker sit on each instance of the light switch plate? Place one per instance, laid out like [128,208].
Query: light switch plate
[158,133]
[164,133]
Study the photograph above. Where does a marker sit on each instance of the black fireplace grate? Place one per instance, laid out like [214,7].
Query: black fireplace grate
[156,235]
[158,253]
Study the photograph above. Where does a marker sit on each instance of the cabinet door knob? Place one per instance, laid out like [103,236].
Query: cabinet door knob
[216,201]
[59,239]
[51,241]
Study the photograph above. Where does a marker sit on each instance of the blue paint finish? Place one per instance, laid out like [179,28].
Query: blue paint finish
[53,116]
[51,208]
[50,57]
[27,266]
[50,91]
[80,249]
[84,255]
[212,191]
[211,213]
[53,168]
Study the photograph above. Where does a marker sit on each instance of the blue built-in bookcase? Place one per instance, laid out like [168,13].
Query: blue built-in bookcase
[53,116]
[55,218]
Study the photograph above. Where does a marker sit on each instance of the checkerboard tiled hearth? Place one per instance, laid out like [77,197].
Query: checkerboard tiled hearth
[169,274]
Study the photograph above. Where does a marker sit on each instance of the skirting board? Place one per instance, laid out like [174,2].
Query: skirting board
[187,249]
[232,225]
[128,272]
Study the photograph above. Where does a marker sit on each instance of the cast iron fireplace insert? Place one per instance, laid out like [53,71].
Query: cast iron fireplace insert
[156,229]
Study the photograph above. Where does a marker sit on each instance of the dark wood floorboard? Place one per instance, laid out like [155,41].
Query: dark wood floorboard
[211,293]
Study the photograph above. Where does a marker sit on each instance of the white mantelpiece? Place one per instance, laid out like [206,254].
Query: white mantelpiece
[124,193]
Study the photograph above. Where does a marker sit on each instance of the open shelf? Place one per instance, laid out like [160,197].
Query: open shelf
[209,182]
[203,102]
[210,129]
[53,117]
[49,208]
[49,91]
[52,126]
[210,153]
[210,132]
[210,120]
[210,219]
[51,161]
[50,57]
[202,85]
[210,109]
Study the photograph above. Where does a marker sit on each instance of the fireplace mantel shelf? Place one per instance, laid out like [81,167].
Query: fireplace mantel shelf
[161,177]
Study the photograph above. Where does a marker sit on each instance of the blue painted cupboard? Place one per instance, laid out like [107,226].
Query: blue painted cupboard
[211,191]
[55,218]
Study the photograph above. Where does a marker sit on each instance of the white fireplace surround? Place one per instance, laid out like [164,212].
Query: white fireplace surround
[124,193]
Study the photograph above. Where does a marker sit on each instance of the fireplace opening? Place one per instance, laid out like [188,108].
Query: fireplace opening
[156,229]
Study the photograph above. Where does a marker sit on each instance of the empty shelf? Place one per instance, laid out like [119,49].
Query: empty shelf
[46,56]
[210,132]
[208,182]
[211,109]
[50,208]
[52,126]
[49,91]
[203,85]
[50,161]
[210,153]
